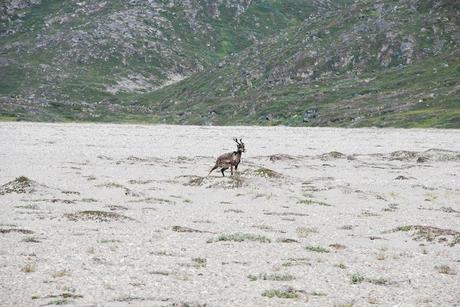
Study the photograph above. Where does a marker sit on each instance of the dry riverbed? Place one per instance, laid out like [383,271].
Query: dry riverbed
[94,214]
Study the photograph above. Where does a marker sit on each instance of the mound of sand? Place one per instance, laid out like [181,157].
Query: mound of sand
[19,185]
[433,154]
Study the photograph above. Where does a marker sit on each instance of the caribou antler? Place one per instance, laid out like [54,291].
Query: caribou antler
[236,140]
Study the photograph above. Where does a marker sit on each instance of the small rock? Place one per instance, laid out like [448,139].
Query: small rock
[310,114]
[422,159]
[269,116]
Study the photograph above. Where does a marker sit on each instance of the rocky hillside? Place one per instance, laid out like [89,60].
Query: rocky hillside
[293,62]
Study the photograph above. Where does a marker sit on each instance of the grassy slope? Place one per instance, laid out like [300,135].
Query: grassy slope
[361,93]
[79,72]
[419,94]
[411,96]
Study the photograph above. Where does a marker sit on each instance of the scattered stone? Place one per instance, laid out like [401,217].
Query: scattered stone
[422,159]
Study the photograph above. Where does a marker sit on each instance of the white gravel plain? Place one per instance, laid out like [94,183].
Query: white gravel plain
[110,215]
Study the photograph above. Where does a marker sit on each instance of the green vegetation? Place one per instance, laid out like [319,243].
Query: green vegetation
[430,234]
[313,202]
[318,293]
[297,262]
[341,266]
[96,215]
[280,293]
[19,185]
[317,249]
[274,277]
[357,279]
[303,232]
[402,228]
[31,240]
[240,237]
[341,63]
[267,173]
[59,302]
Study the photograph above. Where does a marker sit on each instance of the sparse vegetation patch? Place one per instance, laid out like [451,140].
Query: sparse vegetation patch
[196,181]
[274,277]
[358,278]
[184,229]
[332,156]
[31,239]
[241,237]
[286,213]
[17,230]
[303,232]
[337,246]
[297,262]
[164,273]
[19,185]
[430,234]
[314,202]
[289,293]
[95,215]
[267,173]
[317,249]
[29,207]
[286,240]
[281,157]
[229,182]
[29,268]
[199,262]
[445,269]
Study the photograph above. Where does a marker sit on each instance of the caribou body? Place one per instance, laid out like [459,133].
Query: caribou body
[230,159]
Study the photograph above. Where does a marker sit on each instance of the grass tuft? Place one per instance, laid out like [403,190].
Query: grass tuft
[273,277]
[241,237]
[317,249]
[29,268]
[356,278]
[290,294]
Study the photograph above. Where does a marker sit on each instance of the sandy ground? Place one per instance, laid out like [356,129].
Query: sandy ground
[118,214]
